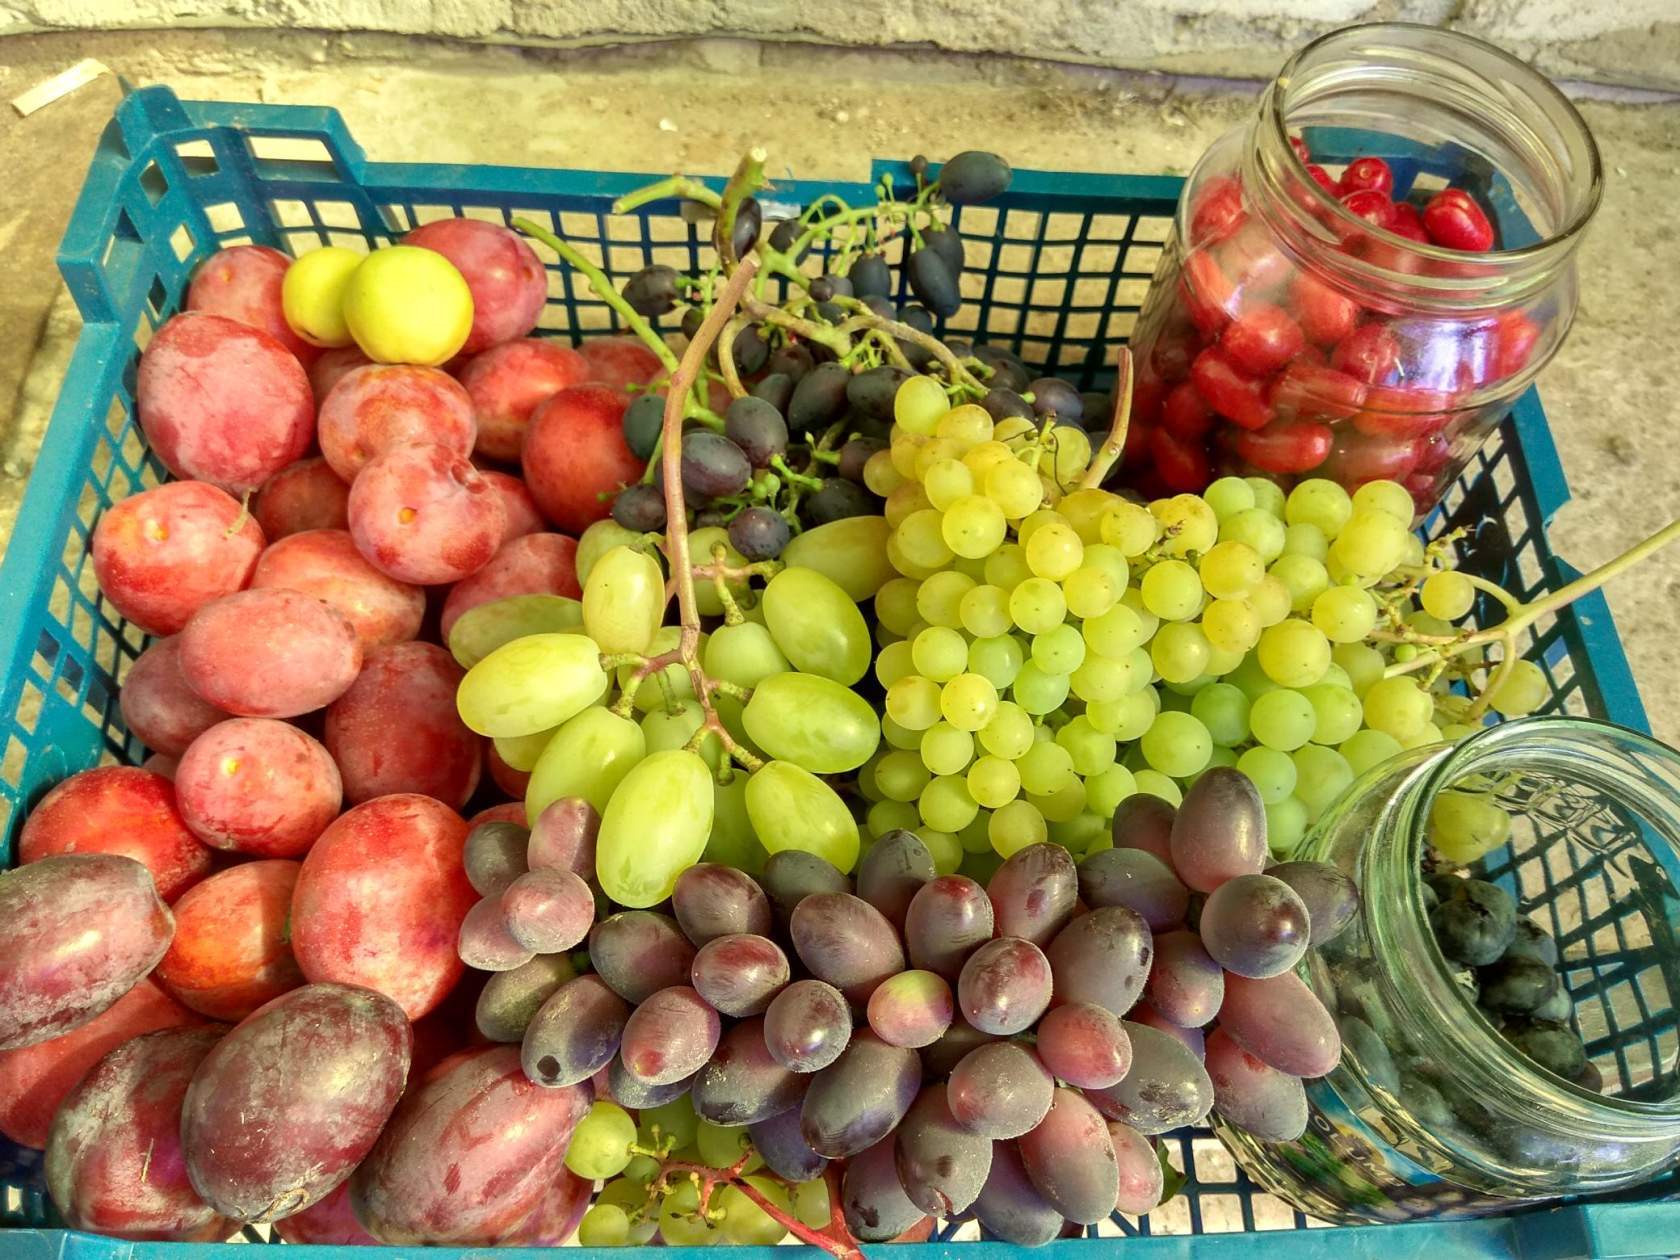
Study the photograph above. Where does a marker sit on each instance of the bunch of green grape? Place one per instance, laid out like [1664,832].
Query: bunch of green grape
[641,1196]
[1049,650]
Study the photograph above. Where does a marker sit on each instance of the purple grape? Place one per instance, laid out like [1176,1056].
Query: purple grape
[494,856]
[1005,985]
[775,388]
[485,942]
[1192,1038]
[1220,830]
[1330,895]
[1280,1021]
[635,1094]
[1011,1207]
[846,941]
[639,508]
[509,999]
[1002,402]
[669,1036]
[640,952]
[1141,1176]
[759,533]
[1033,893]
[941,1165]
[953,1046]
[1185,985]
[1270,1104]
[855,454]
[643,421]
[548,912]
[1084,1045]
[793,875]
[859,1098]
[836,499]
[742,1084]
[892,872]
[710,901]
[1255,926]
[1070,1158]
[911,1009]
[574,1034]
[948,919]
[1053,396]
[819,398]
[563,837]
[652,291]
[1167,1087]
[807,1026]
[1000,1090]
[784,1149]
[713,466]
[1102,957]
[1144,822]
[739,975]
[1137,880]
[876,1208]
[757,428]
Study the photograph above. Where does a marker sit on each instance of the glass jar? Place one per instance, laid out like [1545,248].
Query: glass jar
[1433,1111]
[1297,329]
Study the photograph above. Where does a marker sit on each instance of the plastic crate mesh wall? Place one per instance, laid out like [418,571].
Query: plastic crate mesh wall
[1056,271]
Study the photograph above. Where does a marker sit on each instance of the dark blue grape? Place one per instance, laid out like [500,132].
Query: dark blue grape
[872,392]
[641,508]
[932,282]
[881,306]
[713,466]
[836,500]
[860,1098]
[855,454]
[759,533]
[973,175]
[1002,403]
[1532,941]
[642,422]
[1053,396]
[1096,410]
[750,351]
[784,1149]
[1476,923]
[948,245]
[692,318]
[785,234]
[652,291]
[819,398]
[793,361]
[1516,985]
[775,389]
[757,427]
[1008,372]
[742,1084]
[1553,1046]
[916,316]
[892,872]
[749,219]
[941,1165]
[870,276]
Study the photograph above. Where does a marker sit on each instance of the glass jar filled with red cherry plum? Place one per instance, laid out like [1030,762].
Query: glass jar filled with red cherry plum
[1363,277]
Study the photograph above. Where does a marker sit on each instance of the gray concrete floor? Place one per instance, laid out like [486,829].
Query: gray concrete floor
[823,114]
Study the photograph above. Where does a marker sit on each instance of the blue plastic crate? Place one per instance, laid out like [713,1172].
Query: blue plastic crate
[1057,270]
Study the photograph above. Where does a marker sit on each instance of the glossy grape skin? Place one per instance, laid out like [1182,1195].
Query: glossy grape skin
[574,1034]
[791,875]
[791,808]
[639,952]
[1330,896]
[563,838]
[892,871]
[1281,1022]
[807,1026]
[1033,893]
[670,1036]
[1185,985]
[494,856]
[859,1098]
[876,1208]
[1144,822]
[941,1165]
[1002,1090]
[1137,880]
[1248,1093]
[1004,986]
[484,942]
[845,941]
[1011,1207]
[710,901]
[509,999]
[1070,1158]
[1255,926]
[817,625]
[549,911]
[629,1091]
[742,1084]
[740,974]
[913,1008]
[497,697]
[1102,957]
[1220,830]
[654,827]
[624,600]
[1167,1087]
[1084,1045]
[813,722]
[482,629]
[947,920]
[784,1149]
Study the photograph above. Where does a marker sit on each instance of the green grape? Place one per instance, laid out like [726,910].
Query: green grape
[1067,450]
[664,729]
[967,424]
[1179,651]
[1286,825]
[1007,566]
[1345,614]
[1385,496]
[1294,653]
[919,404]
[532,684]
[733,841]
[1370,544]
[946,481]
[480,631]
[1230,570]
[655,827]
[1466,826]
[1269,602]
[596,541]
[1099,678]
[700,544]
[1128,717]
[1363,663]
[1257,528]
[902,775]
[885,816]
[1092,750]
[913,702]
[1090,591]
[587,757]
[650,695]
[1171,590]
[1428,733]
[905,447]
[1154,783]
[745,1223]
[973,526]
[1084,510]
[939,653]
[1250,677]
[817,625]
[1268,495]
[1303,577]
[851,552]
[743,654]
[1221,756]
[1523,690]
[1063,805]
[974,838]
[1337,713]
[921,538]
[1132,598]
[1306,540]
[1223,709]
[940,596]
[721,1145]
[997,659]
[1230,625]
[1101,558]
[1176,744]
[1397,707]
[1414,553]
[1320,503]
[1015,488]
[1281,719]
[1336,676]
[673,1122]
[1229,495]
[813,722]
[993,781]
[968,701]
[1221,662]
[892,662]
[1426,624]
[1045,768]
[810,1203]
[1115,633]
[1322,775]
[604,1225]
[600,1145]
[895,604]
[1054,551]
[900,736]
[942,846]
[1015,826]
[866,780]
[945,749]
[984,611]
[1035,522]
[1009,733]
[880,475]
[982,457]
[632,1200]
[945,804]
[1036,605]
[793,809]
[680,1223]
[1129,529]
[1105,791]
[1059,651]
[1457,731]
[1038,692]
[1272,772]
[1187,524]
[521,751]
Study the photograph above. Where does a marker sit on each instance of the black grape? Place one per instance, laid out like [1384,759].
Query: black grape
[1143,821]
[785,234]
[948,245]
[973,175]
[749,218]
[670,1036]
[784,1149]
[742,1084]
[828,286]
[1008,372]
[749,350]
[892,872]
[757,427]
[759,533]
[712,465]
[1096,410]
[916,316]
[860,1098]
[1011,1207]
[484,941]
[652,291]
[775,389]
[639,508]
[642,422]
[1270,1104]
[640,952]
[692,318]
[876,1208]
[941,1165]
[870,276]
[1053,396]
[954,1045]
[819,398]
[838,499]
[932,282]
[574,1034]
[872,392]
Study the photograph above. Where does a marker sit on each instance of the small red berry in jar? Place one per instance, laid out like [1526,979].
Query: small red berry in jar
[1218,212]
[1171,356]
[1185,415]
[1408,222]
[1369,353]
[1453,219]
[1300,147]
[1323,178]
[1356,458]
[1314,391]
[1325,316]
[1262,339]
[1372,206]
[1182,465]
[1206,293]
[1368,173]
[1517,337]
[1240,399]
[1286,446]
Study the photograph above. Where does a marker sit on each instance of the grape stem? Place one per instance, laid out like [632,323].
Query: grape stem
[1115,443]
[843,1247]
[682,186]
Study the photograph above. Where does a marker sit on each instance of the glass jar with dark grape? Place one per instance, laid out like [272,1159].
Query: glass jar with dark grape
[1363,277]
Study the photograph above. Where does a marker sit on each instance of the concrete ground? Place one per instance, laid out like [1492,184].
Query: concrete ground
[695,106]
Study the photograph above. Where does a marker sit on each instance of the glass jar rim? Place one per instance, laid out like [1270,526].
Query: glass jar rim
[1536,86]
[1498,1059]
